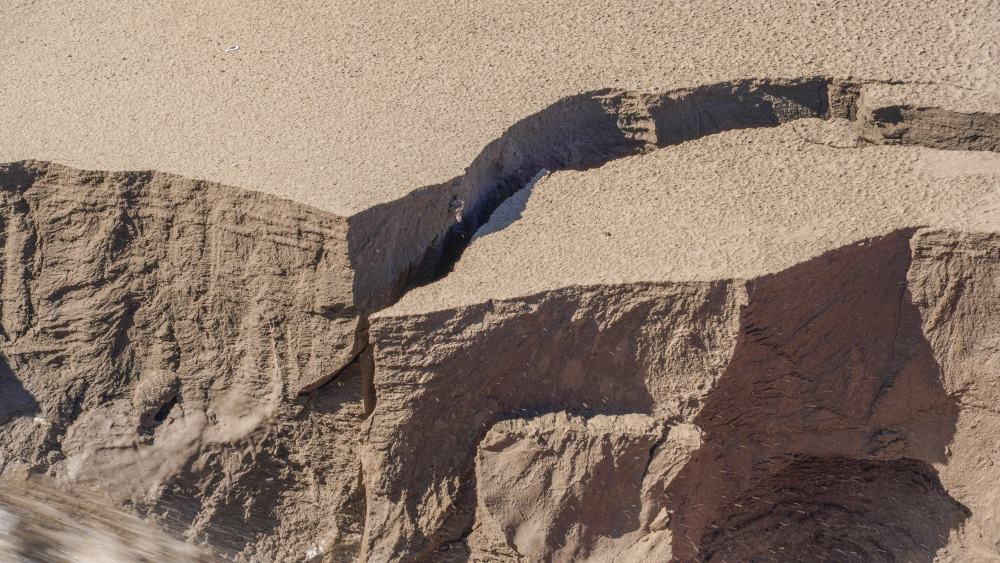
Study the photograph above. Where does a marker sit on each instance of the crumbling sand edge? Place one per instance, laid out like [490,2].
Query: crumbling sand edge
[591,129]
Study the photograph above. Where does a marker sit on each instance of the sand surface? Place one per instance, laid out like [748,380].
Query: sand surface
[343,105]
[735,205]
[724,250]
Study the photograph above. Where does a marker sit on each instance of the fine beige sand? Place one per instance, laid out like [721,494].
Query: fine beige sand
[738,205]
[344,105]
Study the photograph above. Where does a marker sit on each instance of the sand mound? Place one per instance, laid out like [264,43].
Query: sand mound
[557,280]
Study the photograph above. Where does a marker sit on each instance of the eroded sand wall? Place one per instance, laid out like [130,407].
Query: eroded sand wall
[184,345]
[798,383]
[156,334]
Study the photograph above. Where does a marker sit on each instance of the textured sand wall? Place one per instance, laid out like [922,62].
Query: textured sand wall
[202,352]
[157,333]
[829,416]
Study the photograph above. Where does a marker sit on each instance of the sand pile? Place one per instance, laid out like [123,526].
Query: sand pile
[800,309]
[561,281]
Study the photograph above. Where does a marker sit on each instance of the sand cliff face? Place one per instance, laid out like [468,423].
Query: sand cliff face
[789,300]
[158,333]
[831,409]
[722,322]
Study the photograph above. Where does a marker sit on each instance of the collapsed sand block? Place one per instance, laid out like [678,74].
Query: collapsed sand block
[880,398]
[834,321]
[931,115]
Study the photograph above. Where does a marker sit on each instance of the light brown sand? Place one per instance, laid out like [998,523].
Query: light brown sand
[342,105]
[735,205]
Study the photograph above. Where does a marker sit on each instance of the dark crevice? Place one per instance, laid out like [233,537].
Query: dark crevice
[15,400]
[837,509]
[164,411]
[589,130]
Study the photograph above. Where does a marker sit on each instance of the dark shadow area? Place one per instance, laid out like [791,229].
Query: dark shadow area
[15,400]
[510,211]
[832,382]
[837,509]
[742,104]
[16,177]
